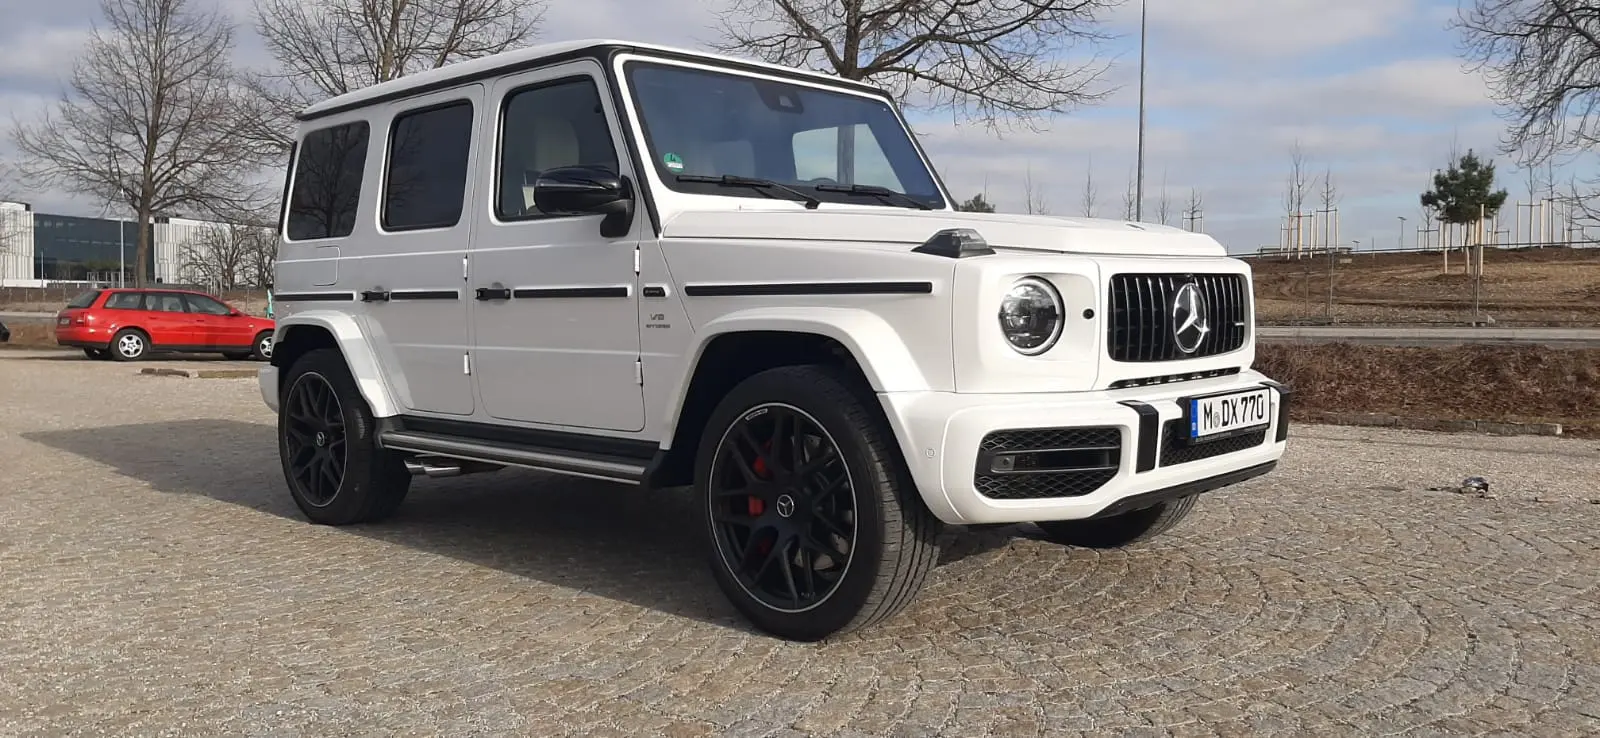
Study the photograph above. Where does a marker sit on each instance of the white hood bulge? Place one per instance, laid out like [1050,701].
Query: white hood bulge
[912,227]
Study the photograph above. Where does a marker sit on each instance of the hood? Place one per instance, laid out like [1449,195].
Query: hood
[912,227]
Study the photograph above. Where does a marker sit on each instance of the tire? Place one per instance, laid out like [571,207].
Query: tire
[1120,530]
[373,482]
[893,533]
[130,344]
[261,350]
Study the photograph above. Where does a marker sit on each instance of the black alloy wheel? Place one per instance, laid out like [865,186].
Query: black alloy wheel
[783,508]
[313,424]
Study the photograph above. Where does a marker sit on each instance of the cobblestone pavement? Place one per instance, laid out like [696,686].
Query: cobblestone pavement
[155,578]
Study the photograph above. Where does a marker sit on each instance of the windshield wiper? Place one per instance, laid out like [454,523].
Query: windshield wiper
[734,180]
[881,192]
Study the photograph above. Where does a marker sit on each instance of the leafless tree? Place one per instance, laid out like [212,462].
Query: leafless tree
[1091,196]
[1033,196]
[154,121]
[1164,204]
[222,256]
[1194,212]
[1330,191]
[1541,59]
[325,48]
[1294,195]
[1130,197]
[993,60]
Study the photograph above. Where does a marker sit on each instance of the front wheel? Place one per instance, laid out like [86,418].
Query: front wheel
[327,441]
[261,350]
[815,527]
[1119,530]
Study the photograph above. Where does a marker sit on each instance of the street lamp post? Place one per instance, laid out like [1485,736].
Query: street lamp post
[1138,187]
[1402,243]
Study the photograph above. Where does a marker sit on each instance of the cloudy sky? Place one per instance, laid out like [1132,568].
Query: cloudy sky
[1371,89]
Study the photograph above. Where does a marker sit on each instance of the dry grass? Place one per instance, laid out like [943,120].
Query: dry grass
[1494,383]
[1551,286]
[30,334]
[31,300]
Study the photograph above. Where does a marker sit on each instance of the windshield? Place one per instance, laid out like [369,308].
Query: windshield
[711,124]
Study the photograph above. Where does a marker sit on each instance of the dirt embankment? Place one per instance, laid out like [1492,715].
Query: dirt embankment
[1492,383]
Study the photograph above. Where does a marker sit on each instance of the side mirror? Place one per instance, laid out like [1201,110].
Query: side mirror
[234,312]
[587,190]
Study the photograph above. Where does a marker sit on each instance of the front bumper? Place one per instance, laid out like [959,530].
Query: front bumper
[267,380]
[1135,434]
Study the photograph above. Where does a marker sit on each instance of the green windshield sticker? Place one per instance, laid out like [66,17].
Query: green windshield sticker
[673,161]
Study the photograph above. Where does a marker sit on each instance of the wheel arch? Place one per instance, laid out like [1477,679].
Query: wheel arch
[735,347]
[305,332]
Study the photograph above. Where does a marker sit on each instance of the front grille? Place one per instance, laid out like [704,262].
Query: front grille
[1140,328]
[1174,450]
[1054,462]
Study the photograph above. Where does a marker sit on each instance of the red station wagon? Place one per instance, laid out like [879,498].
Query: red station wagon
[127,324]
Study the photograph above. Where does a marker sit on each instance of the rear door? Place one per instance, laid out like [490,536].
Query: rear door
[166,318]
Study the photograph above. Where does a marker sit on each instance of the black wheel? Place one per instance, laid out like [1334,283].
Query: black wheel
[815,526]
[1119,530]
[261,350]
[130,344]
[328,445]
[94,353]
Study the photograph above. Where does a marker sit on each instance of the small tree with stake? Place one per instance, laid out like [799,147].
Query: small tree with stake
[1465,194]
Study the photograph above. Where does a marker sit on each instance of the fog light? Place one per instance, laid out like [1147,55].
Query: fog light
[1003,463]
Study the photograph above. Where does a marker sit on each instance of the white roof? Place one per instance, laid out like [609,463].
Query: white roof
[473,67]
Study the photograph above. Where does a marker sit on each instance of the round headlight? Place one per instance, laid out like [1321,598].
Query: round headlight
[1031,316]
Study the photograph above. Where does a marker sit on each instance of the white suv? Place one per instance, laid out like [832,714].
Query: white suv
[660,267]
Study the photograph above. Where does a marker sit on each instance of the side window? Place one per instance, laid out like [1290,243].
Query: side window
[205,305]
[327,182]
[551,125]
[427,177]
[818,153]
[125,301]
[164,302]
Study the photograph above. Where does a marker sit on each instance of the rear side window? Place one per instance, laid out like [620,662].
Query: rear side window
[427,178]
[165,302]
[125,301]
[327,182]
[84,299]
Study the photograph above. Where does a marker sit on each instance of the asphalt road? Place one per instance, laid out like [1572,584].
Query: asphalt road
[157,580]
[1430,336]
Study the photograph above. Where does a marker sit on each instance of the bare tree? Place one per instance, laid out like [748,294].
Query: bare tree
[1032,196]
[1541,59]
[1130,198]
[1330,191]
[220,256]
[1194,212]
[325,48]
[1091,196]
[989,60]
[1164,204]
[155,120]
[1294,195]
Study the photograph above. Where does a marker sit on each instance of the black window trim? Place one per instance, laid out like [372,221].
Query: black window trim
[294,179]
[388,163]
[598,82]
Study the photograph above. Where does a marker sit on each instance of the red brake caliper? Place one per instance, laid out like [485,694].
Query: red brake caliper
[754,504]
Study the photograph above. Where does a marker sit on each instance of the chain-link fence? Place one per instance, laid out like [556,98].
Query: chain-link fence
[1506,284]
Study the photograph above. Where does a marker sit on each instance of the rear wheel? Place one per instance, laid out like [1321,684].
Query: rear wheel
[1120,530]
[327,441]
[130,344]
[815,526]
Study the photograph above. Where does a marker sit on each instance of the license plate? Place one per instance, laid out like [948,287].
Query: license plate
[1222,415]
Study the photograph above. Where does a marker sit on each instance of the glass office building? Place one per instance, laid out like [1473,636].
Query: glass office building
[71,248]
[38,248]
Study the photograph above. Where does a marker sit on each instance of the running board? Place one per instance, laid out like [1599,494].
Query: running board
[570,463]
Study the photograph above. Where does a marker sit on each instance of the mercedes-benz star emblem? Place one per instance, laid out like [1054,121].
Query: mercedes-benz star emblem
[1189,323]
[321,439]
[785,506]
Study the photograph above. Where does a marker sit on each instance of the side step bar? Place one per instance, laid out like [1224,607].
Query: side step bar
[571,463]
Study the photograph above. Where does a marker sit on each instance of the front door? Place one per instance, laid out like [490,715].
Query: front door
[560,345]
[218,329]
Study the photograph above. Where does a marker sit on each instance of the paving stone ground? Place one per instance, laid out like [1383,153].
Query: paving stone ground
[156,579]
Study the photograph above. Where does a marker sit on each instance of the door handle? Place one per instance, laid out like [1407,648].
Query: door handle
[375,296]
[493,293]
